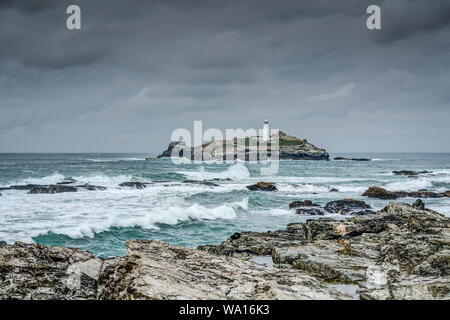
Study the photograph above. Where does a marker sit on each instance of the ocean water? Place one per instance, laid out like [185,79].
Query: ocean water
[187,214]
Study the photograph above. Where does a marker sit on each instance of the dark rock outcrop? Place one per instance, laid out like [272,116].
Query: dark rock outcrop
[305,203]
[262,186]
[351,159]
[137,185]
[380,193]
[409,172]
[59,188]
[204,183]
[310,211]
[347,206]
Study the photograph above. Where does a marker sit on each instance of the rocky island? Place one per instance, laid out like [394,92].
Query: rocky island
[288,147]
[400,252]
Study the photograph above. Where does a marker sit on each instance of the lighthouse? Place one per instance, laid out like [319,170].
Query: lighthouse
[266,131]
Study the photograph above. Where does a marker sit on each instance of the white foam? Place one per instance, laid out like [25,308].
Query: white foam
[50,179]
[237,171]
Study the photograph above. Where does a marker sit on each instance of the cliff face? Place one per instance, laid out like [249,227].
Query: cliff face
[401,252]
[289,147]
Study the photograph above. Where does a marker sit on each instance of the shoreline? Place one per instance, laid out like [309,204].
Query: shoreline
[362,257]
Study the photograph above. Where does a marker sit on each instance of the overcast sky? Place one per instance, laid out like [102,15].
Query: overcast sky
[139,69]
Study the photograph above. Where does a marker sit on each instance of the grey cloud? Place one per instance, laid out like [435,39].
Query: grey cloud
[139,69]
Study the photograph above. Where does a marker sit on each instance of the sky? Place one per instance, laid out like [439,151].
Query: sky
[139,69]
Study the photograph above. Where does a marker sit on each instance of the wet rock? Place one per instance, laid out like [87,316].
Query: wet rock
[310,211]
[380,193]
[418,204]
[36,272]
[305,203]
[3,243]
[444,194]
[205,183]
[346,206]
[25,187]
[90,187]
[262,186]
[52,189]
[137,185]
[351,159]
[409,172]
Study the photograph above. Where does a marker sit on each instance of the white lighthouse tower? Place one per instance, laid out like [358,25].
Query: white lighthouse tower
[266,131]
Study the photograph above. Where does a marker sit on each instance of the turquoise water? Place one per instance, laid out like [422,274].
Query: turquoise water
[184,214]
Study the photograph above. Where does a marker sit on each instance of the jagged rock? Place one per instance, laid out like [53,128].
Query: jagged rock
[52,189]
[310,211]
[444,194]
[409,172]
[137,185]
[90,187]
[3,243]
[36,272]
[305,203]
[205,183]
[262,186]
[346,206]
[65,186]
[157,270]
[380,193]
[401,252]
[418,204]
[351,159]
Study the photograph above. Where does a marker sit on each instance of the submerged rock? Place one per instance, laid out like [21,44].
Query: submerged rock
[52,189]
[409,172]
[137,185]
[205,183]
[263,186]
[310,211]
[351,159]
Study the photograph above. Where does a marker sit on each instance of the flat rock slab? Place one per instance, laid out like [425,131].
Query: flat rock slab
[157,270]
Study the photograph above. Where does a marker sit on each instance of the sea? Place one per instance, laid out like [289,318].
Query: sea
[189,214]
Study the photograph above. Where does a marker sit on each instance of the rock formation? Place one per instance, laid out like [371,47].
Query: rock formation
[263,186]
[381,193]
[401,252]
[289,147]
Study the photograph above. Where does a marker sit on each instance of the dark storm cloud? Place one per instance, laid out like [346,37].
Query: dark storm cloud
[139,69]
[405,19]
